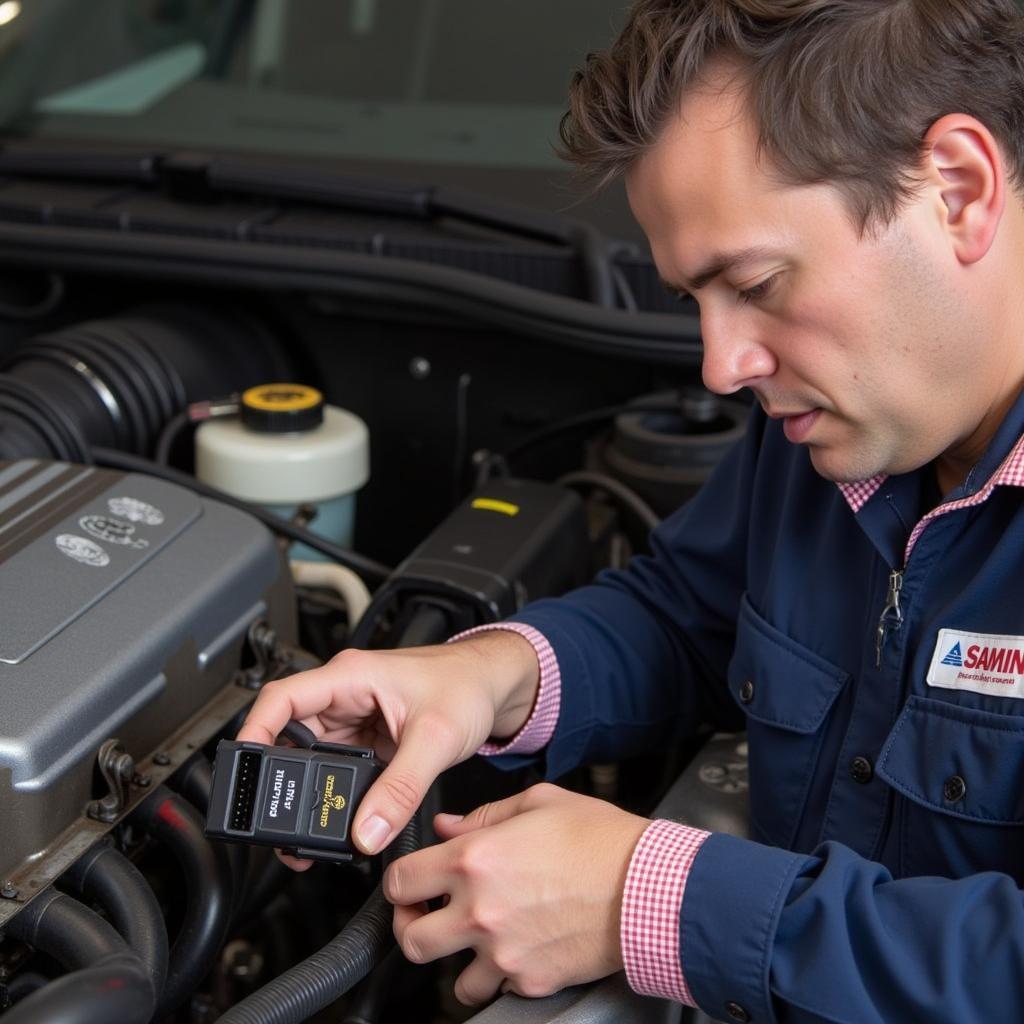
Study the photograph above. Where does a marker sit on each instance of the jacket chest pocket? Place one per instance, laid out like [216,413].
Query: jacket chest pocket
[786,692]
[961,771]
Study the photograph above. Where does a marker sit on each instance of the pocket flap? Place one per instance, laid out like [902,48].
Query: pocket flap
[778,681]
[933,744]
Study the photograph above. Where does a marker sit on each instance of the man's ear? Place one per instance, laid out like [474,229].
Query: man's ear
[963,163]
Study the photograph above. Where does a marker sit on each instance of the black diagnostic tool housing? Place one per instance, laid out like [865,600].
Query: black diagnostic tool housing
[300,800]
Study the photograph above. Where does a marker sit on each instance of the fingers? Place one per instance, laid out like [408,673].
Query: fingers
[428,936]
[448,826]
[295,863]
[427,748]
[420,876]
[301,697]
[478,982]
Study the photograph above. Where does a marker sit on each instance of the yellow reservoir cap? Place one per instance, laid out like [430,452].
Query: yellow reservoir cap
[281,397]
[281,408]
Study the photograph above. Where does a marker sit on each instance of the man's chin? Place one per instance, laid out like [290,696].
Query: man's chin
[842,467]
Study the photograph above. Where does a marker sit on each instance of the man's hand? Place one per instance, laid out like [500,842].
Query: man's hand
[422,709]
[533,884]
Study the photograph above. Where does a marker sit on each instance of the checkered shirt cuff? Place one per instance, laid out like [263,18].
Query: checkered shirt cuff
[540,726]
[652,903]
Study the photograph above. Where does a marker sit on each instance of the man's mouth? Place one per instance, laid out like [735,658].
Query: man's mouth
[798,426]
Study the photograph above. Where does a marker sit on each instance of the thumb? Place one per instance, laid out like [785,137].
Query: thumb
[393,799]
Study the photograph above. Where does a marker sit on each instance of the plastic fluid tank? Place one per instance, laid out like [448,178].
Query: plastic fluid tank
[287,448]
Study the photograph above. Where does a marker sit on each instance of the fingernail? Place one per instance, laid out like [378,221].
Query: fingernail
[373,833]
[451,819]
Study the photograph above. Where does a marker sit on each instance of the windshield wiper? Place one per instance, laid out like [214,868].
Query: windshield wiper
[200,176]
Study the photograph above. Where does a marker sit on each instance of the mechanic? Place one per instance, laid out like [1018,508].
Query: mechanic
[840,184]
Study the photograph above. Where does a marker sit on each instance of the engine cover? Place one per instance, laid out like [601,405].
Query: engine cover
[126,601]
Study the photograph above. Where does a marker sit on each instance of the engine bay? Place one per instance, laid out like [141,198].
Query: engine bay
[496,364]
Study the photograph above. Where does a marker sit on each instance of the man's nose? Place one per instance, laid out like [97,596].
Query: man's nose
[735,354]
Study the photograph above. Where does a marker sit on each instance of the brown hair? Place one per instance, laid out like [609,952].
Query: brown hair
[843,91]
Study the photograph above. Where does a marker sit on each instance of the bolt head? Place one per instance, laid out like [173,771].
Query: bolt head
[419,367]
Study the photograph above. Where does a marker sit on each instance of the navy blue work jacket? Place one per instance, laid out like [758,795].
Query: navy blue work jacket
[882,892]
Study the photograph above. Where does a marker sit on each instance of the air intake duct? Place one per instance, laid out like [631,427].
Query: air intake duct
[113,383]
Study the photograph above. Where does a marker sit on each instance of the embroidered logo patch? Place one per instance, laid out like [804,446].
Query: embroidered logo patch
[988,663]
[955,656]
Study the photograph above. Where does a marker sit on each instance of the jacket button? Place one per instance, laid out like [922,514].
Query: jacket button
[954,789]
[747,692]
[861,770]
[736,1012]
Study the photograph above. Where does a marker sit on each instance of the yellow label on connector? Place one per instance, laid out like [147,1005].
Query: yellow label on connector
[493,505]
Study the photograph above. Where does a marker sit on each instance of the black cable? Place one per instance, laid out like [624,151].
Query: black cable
[370,570]
[584,419]
[370,999]
[168,435]
[194,412]
[299,734]
[266,878]
[625,495]
[328,974]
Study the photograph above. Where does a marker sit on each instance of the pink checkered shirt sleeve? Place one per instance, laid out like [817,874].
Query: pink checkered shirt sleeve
[540,726]
[651,905]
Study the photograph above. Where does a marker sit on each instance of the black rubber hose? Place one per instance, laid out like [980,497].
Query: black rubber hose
[115,382]
[108,878]
[195,783]
[107,982]
[172,820]
[24,983]
[329,973]
[371,571]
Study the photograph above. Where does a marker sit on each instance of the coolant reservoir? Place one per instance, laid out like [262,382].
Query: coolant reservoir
[287,448]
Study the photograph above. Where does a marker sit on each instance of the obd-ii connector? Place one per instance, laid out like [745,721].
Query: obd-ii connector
[298,799]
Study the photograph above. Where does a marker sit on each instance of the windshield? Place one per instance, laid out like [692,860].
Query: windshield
[424,81]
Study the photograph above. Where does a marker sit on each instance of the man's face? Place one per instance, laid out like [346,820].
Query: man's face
[861,344]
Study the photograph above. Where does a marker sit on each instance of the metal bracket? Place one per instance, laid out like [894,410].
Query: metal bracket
[117,768]
[269,655]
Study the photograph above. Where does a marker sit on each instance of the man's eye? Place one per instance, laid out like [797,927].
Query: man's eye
[759,291]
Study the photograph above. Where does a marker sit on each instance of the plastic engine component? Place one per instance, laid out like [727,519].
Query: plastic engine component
[126,602]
